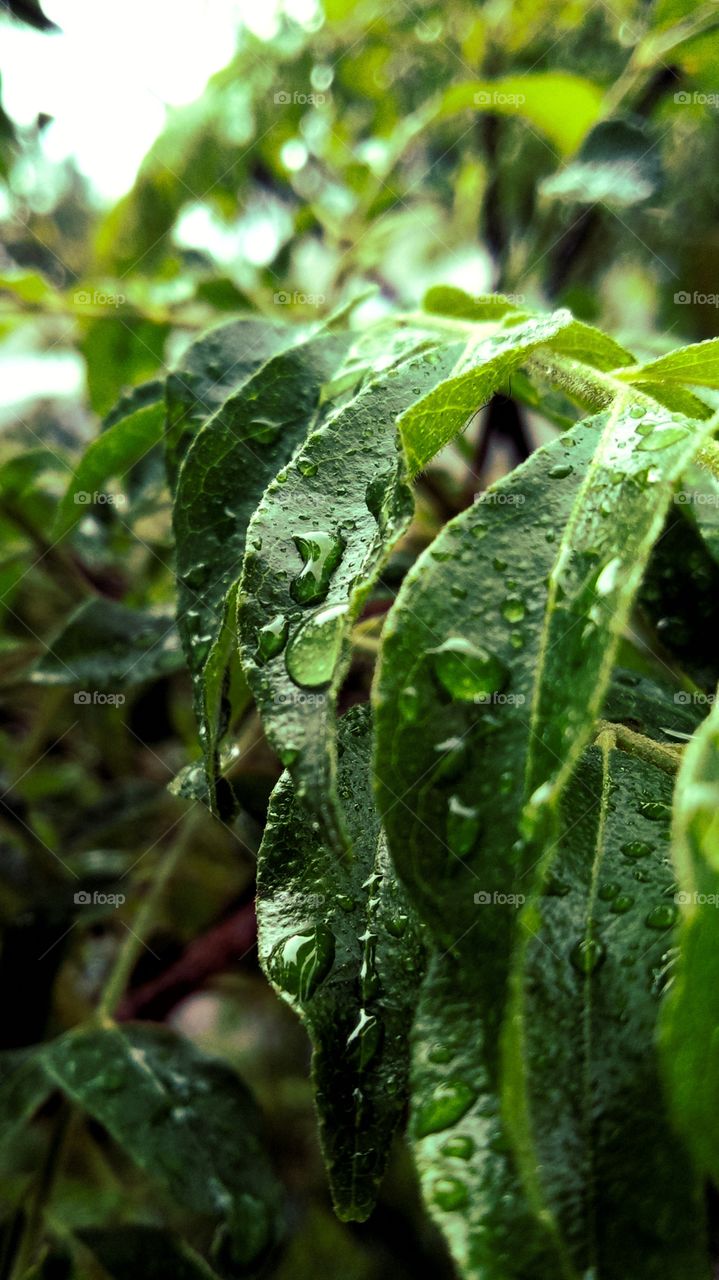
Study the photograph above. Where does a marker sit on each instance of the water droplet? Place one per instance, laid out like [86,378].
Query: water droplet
[654,810]
[300,963]
[513,609]
[460,1147]
[440,1053]
[560,471]
[264,430]
[462,826]
[364,1041]
[446,1104]
[662,917]
[452,757]
[313,652]
[271,638]
[662,438]
[587,955]
[554,887]
[466,671]
[449,1193]
[609,890]
[345,901]
[409,703]
[500,565]
[397,925]
[637,849]
[321,553]
[306,467]
[622,903]
[609,576]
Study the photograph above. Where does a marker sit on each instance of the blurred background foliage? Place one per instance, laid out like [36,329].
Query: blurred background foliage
[565,153]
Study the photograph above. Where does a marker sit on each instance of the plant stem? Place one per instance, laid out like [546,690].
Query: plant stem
[127,956]
[33,1215]
[663,755]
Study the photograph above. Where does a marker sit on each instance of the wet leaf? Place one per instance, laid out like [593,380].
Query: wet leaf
[107,646]
[340,944]
[583,1095]
[185,1118]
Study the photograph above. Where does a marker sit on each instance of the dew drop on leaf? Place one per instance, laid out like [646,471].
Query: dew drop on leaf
[654,810]
[467,671]
[622,903]
[450,1193]
[364,1040]
[513,609]
[561,471]
[461,1147]
[306,467]
[321,553]
[462,826]
[409,703]
[301,962]
[587,955]
[271,639]
[637,849]
[445,1106]
[662,917]
[313,652]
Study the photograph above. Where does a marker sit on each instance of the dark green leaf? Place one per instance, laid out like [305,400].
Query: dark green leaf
[212,367]
[228,465]
[184,1118]
[315,546]
[105,645]
[340,944]
[23,1088]
[584,1102]
[617,166]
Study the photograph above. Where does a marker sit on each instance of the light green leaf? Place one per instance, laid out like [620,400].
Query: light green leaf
[690,1017]
[108,646]
[447,300]
[123,443]
[697,365]
[314,548]
[340,944]
[562,106]
[185,1118]
[583,1097]
[481,369]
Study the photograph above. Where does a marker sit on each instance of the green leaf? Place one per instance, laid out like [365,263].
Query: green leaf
[583,1095]
[562,106]
[617,166]
[447,300]
[185,1118]
[481,368]
[24,1088]
[213,366]
[617,516]
[340,944]
[467,1172]
[118,448]
[164,1257]
[314,548]
[106,645]
[227,467]
[691,1013]
[453,693]
[696,365]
